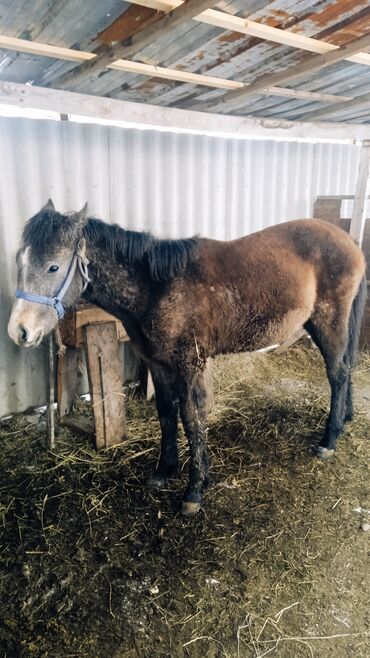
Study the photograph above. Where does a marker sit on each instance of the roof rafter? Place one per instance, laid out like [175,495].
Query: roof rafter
[252,28]
[47,50]
[322,112]
[309,65]
[163,26]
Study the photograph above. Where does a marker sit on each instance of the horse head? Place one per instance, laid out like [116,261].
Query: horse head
[52,273]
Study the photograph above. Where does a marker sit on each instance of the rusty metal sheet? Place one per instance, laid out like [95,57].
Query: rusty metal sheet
[194,47]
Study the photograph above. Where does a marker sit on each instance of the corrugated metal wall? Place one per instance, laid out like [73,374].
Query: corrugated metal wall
[171,184]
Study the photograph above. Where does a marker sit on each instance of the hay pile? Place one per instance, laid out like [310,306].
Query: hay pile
[101,567]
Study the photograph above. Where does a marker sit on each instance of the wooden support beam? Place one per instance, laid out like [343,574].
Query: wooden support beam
[244,26]
[324,111]
[175,74]
[319,96]
[309,65]
[221,83]
[362,189]
[168,118]
[105,369]
[44,49]
[47,50]
[67,381]
[51,394]
[164,26]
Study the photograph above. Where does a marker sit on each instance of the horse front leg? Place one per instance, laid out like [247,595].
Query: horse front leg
[193,406]
[168,411]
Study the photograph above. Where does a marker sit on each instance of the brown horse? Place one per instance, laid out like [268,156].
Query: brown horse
[182,301]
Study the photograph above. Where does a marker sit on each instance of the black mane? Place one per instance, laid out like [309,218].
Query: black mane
[166,259]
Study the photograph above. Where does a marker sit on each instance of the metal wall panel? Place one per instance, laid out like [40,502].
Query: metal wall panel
[169,183]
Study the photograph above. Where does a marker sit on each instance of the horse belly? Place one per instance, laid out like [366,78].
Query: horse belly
[280,330]
[260,332]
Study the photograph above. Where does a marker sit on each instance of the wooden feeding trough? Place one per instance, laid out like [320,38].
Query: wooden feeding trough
[101,334]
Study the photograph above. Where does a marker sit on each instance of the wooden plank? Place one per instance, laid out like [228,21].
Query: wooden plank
[67,381]
[327,209]
[175,74]
[309,65]
[163,27]
[67,328]
[105,370]
[221,83]
[342,197]
[71,327]
[244,26]
[324,111]
[154,116]
[44,49]
[306,95]
[362,188]
[93,315]
[51,391]
[78,423]
[36,48]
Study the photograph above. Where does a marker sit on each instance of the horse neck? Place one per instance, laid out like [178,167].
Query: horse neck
[117,287]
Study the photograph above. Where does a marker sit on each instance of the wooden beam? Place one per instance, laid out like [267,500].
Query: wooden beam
[44,49]
[306,95]
[309,65]
[56,52]
[324,111]
[47,50]
[221,83]
[154,116]
[252,28]
[362,189]
[175,74]
[105,368]
[164,26]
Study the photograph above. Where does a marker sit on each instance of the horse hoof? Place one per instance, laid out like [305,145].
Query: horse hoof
[324,453]
[189,508]
[156,482]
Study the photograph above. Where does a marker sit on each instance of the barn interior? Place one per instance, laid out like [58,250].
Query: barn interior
[181,118]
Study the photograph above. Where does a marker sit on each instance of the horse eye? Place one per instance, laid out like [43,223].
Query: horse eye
[53,268]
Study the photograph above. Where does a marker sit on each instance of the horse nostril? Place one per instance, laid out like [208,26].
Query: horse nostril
[22,333]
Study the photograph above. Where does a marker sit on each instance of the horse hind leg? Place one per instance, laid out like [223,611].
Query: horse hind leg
[354,329]
[332,343]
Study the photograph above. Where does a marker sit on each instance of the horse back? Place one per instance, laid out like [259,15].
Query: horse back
[249,293]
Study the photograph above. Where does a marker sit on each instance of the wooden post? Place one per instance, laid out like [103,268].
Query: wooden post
[67,381]
[362,186]
[105,368]
[51,400]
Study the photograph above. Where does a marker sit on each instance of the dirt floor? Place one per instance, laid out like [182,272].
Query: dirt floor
[94,564]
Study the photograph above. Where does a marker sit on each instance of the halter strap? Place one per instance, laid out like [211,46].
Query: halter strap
[56,301]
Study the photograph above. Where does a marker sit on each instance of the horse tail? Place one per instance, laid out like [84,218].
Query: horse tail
[355,320]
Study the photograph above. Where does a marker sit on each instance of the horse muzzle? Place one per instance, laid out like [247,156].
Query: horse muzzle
[25,328]
[24,337]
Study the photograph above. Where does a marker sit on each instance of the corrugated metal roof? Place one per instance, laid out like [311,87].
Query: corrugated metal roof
[195,47]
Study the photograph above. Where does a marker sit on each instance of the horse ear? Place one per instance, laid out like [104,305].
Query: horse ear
[48,205]
[80,217]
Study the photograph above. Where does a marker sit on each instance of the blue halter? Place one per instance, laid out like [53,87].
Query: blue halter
[56,301]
